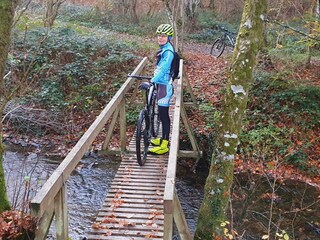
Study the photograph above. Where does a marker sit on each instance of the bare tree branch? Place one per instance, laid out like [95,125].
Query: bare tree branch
[20,13]
[293,29]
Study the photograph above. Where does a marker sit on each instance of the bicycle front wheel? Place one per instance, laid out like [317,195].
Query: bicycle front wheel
[142,138]
[218,47]
[155,118]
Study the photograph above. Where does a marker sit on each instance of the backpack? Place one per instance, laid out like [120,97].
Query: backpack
[175,65]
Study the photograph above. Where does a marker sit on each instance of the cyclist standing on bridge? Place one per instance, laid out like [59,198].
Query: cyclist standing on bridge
[162,77]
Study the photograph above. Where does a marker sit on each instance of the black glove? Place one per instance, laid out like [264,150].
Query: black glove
[144,86]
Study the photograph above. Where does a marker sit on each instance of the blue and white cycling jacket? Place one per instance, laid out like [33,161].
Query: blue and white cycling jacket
[162,74]
[162,71]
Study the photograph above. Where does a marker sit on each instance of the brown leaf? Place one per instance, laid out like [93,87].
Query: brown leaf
[96,226]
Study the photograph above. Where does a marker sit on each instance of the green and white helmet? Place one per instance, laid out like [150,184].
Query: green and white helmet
[165,29]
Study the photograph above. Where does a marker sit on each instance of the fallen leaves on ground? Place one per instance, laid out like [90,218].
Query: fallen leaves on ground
[14,224]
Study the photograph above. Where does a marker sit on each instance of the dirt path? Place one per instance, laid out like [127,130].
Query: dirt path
[205,72]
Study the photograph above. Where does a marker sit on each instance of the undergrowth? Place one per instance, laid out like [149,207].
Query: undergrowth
[92,18]
[282,112]
[209,28]
[70,70]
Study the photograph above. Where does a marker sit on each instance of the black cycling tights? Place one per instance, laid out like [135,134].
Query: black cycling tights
[165,121]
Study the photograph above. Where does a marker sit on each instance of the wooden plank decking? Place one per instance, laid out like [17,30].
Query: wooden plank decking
[133,208]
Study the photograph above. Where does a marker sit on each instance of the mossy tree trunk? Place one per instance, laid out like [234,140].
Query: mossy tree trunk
[7,8]
[217,189]
[4,203]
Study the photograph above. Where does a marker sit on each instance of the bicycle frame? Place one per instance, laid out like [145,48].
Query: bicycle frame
[147,125]
[152,91]
[219,44]
[228,35]
[148,94]
[231,40]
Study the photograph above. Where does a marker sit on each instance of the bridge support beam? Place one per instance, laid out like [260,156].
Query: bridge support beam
[180,219]
[44,223]
[187,82]
[123,125]
[168,221]
[191,136]
[110,129]
[61,213]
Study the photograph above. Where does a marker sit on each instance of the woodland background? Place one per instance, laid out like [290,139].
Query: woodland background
[65,64]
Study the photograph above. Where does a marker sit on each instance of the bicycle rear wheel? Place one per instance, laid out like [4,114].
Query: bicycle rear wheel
[142,138]
[218,47]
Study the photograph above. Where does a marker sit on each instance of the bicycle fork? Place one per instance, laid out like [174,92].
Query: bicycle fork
[149,96]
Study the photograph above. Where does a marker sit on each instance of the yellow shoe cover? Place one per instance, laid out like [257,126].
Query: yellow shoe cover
[159,150]
[162,149]
[156,141]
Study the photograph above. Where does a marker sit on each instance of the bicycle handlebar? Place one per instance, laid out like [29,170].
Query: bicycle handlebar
[145,77]
[140,77]
[227,31]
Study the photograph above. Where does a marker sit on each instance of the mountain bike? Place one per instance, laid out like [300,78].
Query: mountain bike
[219,44]
[148,124]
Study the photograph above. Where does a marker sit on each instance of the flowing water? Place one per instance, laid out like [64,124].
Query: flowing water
[290,205]
[295,206]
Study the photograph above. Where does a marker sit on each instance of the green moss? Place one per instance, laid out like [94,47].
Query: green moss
[4,203]
[6,17]
[215,206]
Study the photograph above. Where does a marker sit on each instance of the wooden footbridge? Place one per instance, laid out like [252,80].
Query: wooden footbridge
[142,202]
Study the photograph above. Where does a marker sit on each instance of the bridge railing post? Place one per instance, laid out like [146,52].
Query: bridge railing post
[168,219]
[180,219]
[123,125]
[61,214]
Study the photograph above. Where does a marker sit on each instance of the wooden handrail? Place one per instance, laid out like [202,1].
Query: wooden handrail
[172,208]
[41,204]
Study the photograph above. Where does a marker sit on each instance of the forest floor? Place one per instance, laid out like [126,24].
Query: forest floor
[207,76]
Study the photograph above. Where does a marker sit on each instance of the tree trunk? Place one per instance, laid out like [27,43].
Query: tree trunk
[7,8]
[217,189]
[190,7]
[172,8]
[122,7]
[4,203]
[134,15]
[314,12]
[212,5]
[51,12]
